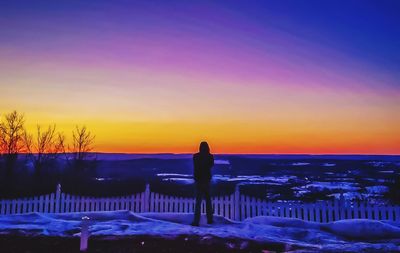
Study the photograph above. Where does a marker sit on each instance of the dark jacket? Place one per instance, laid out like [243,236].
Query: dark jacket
[202,163]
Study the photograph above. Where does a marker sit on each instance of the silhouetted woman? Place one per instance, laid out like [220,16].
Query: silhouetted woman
[202,163]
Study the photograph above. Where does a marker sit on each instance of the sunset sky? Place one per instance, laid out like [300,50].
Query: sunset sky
[247,76]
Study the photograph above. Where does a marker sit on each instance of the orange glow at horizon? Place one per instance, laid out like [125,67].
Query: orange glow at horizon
[231,137]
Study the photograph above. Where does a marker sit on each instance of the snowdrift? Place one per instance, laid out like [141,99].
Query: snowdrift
[363,229]
[339,236]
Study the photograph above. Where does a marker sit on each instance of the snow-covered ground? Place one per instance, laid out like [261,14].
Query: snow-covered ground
[341,236]
[242,179]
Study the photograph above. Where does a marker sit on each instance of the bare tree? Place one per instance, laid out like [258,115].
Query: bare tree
[82,144]
[11,137]
[44,147]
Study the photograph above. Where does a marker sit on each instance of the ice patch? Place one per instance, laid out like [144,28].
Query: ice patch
[179,180]
[300,164]
[104,178]
[252,178]
[375,180]
[225,162]
[173,175]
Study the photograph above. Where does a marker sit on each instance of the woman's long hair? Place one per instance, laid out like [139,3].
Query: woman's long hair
[204,148]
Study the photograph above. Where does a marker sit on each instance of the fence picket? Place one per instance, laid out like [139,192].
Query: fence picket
[171,204]
[349,210]
[264,207]
[356,209]
[390,213]
[225,206]
[268,208]
[248,206]
[237,203]
[137,202]
[7,207]
[220,205]
[253,207]
[19,206]
[46,204]
[51,210]
[311,211]
[242,207]
[36,204]
[292,209]
[330,211]
[376,213]
[151,202]
[397,213]
[231,206]
[2,207]
[323,208]
[142,202]
[362,210]
[23,205]
[157,202]
[83,207]
[383,211]
[167,203]
[89,204]
[72,203]
[162,204]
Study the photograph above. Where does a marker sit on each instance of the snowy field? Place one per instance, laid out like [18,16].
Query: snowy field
[276,177]
[296,178]
[267,232]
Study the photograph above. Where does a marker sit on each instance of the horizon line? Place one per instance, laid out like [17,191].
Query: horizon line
[190,153]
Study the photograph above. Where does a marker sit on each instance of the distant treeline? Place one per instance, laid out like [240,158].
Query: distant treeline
[33,159]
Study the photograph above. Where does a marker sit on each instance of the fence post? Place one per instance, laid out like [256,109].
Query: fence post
[237,203]
[342,206]
[84,233]
[146,198]
[58,197]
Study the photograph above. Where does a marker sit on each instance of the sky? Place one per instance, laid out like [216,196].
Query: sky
[319,77]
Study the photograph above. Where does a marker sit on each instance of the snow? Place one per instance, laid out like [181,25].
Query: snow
[349,195]
[329,164]
[377,189]
[363,229]
[379,163]
[253,178]
[339,236]
[330,186]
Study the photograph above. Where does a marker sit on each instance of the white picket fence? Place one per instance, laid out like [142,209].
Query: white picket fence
[236,206]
